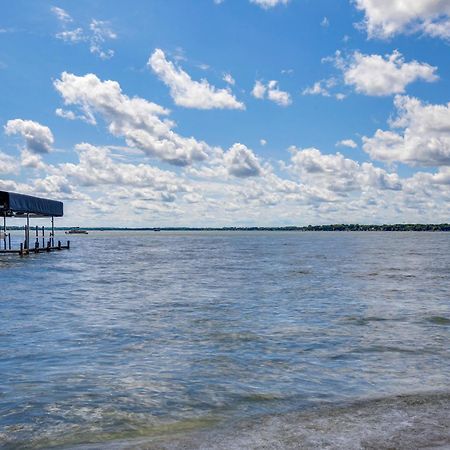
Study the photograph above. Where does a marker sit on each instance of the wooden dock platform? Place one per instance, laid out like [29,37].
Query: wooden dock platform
[26,251]
[20,205]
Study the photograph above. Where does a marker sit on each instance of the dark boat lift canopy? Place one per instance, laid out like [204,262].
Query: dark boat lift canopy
[12,204]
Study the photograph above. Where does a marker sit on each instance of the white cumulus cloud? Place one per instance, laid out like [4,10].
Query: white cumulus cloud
[242,162]
[378,75]
[190,93]
[347,143]
[323,88]
[38,138]
[419,135]
[386,18]
[32,160]
[272,92]
[339,175]
[97,167]
[140,122]
[8,164]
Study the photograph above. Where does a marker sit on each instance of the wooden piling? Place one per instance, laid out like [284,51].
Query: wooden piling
[28,232]
[4,230]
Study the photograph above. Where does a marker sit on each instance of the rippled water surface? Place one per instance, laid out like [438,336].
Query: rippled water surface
[133,334]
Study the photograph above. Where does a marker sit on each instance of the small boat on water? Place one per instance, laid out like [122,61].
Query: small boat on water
[76,230]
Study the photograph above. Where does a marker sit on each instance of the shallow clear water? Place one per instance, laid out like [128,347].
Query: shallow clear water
[134,334]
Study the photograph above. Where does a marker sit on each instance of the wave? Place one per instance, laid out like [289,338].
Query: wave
[417,421]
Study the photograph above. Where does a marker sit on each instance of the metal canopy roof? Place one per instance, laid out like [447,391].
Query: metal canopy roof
[20,204]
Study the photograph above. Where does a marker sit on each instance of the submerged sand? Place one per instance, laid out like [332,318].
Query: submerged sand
[404,422]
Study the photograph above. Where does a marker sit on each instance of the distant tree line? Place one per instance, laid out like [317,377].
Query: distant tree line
[384,227]
[333,227]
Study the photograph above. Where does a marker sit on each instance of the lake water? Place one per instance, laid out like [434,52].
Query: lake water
[165,340]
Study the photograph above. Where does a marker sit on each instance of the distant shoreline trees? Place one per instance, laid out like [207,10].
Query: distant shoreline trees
[331,227]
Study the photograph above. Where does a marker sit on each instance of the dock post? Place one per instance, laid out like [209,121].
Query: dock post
[4,230]
[43,234]
[9,240]
[21,249]
[27,232]
[53,231]
[59,245]
[36,246]
[68,245]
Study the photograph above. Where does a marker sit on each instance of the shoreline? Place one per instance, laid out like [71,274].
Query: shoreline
[401,422]
[429,228]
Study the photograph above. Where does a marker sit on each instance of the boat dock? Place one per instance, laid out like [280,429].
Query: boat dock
[13,205]
[36,249]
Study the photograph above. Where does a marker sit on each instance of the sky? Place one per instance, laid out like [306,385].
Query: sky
[228,112]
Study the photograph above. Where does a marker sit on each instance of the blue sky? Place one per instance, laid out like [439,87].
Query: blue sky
[232,112]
